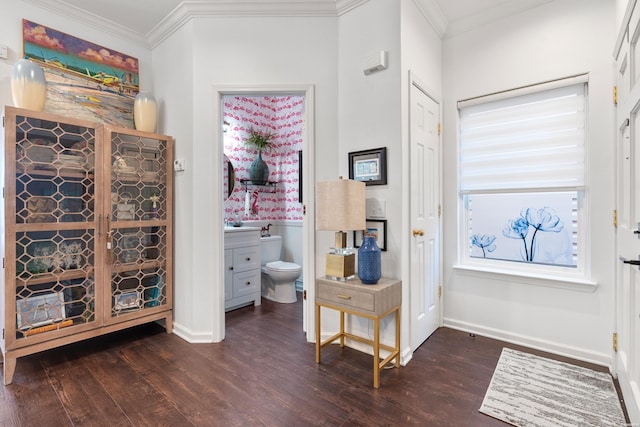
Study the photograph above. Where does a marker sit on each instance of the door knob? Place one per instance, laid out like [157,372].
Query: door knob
[417,232]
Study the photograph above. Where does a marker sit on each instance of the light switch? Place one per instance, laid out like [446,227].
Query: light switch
[4,51]
[376,208]
[178,165]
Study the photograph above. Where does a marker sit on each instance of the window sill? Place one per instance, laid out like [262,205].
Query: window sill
[551,281]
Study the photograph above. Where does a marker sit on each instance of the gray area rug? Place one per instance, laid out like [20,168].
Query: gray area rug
[528,390]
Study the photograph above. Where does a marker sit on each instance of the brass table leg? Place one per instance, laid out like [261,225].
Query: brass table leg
[398,337]
[318,338]
[341,328]
[376,353]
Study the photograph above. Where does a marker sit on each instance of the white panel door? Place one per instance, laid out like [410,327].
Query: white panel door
[627,356]
[425,218]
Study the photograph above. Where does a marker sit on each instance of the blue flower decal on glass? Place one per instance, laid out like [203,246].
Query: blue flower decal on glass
[518,229]
[484,242]
[540,220]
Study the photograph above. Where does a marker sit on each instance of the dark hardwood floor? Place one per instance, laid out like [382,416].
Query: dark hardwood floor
[264,374]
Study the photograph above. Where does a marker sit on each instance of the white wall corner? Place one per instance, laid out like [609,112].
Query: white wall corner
[344,6]
[434,15]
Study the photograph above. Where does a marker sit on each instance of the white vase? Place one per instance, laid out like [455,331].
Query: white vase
[28,85]
[145,112]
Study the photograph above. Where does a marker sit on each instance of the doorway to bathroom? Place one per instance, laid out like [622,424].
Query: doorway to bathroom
[286,199]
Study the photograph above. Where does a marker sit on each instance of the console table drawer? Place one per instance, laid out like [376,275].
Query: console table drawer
[351,294]
[348,298]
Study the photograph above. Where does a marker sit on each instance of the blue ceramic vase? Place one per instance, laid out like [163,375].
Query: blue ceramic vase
[369,261]
[259,170]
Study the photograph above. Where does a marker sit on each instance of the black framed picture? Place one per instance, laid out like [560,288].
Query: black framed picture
[376,227]
[369,166]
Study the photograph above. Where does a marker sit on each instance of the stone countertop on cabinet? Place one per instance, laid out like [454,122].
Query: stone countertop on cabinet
[239,229]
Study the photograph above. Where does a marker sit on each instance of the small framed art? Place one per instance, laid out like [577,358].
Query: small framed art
[127,300]
[375,227]
[39,310]
[369,166]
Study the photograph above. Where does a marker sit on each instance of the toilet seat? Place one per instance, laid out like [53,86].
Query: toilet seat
[282,266]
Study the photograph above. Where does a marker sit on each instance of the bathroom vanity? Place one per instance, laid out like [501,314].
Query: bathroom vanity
[241,267]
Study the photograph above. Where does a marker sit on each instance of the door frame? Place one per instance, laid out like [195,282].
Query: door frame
[625,111]
[308,189]
[415,81]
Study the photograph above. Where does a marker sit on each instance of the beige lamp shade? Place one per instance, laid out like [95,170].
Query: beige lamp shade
[341,205]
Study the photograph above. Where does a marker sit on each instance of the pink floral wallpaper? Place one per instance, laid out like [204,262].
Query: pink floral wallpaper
[283,117]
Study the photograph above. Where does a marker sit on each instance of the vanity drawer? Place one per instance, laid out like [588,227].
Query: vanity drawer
[246,283]
[247,258]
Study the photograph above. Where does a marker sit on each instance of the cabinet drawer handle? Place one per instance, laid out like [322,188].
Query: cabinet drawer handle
[231,268]
[248,283]
[344,296]
[247,259]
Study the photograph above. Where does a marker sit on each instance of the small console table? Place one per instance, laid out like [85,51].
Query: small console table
[374,302]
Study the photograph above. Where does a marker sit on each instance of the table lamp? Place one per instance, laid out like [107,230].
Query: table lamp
[340,207]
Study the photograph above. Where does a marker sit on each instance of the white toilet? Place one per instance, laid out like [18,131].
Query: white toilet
[278,277]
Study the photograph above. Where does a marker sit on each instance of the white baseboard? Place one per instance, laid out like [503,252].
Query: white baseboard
[538,344]
[192,337]
[405,356]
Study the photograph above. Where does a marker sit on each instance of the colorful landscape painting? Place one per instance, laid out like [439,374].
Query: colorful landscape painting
[84,80]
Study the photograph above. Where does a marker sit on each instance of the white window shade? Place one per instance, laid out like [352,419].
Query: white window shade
[533,141]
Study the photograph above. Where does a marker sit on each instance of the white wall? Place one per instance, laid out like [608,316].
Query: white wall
[173,68]
[369,117]
[213,53]
[369,107]
[558,39]
[374,113]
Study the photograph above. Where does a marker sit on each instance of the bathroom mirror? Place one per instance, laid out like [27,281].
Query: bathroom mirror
[228,177]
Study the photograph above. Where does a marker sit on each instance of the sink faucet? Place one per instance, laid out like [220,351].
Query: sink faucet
[265,231]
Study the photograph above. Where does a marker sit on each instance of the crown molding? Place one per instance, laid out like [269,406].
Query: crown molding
[499,12]
[344,6]
[188,10]
[60,7]
[434,15]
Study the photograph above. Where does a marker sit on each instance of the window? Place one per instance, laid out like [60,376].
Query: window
[521,178]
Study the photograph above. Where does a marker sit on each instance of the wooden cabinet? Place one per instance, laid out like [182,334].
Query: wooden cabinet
[87,231]
[242,278]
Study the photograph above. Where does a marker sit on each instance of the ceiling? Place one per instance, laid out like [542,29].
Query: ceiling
[143,17]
